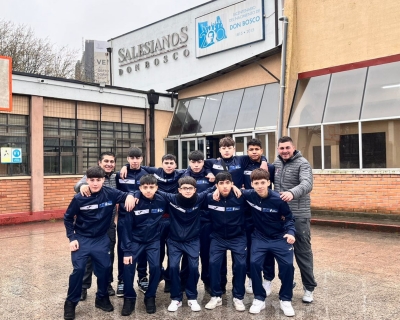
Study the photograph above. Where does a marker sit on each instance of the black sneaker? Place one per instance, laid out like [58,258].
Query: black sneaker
[104,304]
[129,306]
[150,304]
[69,310]
[143,284]
[83,294]
[110,290]
[120,289]
[167,286]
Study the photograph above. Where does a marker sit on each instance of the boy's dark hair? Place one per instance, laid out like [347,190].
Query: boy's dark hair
[285,139]
[168,157]
[254,142]
[135,153]
[107,153]
[187,180]
[226,142]
[196,155]
[259,174]
[223,176]
[148,179]
[95,172]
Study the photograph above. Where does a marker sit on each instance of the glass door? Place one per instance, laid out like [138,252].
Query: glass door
[268,143]
[187,146]
[241,143]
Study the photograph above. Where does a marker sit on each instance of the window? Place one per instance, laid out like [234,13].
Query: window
[210,112]
[361,114]
[191,125]
[71,146]
[249,108]
[179,118]
[14,133]
[228,111]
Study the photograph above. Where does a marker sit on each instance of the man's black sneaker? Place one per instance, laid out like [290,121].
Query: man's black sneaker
[150,304]
[69,310]
[110,290]
[120,289]
[83,294]
[104,304]
[167,286]
[207,288]
[129,306]
[143,284]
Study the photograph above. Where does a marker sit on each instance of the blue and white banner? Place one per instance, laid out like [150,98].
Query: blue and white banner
[230,27]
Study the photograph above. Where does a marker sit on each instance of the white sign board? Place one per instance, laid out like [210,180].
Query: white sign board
[230,27]
[5,83]
[11,155]
[101,62]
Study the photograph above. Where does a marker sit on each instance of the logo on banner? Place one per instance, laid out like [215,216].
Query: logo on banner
[211,32]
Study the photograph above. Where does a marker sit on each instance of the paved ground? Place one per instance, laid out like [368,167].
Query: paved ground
[357,274]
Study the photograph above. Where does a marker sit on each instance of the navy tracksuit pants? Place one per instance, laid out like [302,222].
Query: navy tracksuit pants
[98,249]
[283,253]
[175,250]
[205,241]
[218,248]
[152,253]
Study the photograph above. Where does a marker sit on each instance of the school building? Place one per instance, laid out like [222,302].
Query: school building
[327,73]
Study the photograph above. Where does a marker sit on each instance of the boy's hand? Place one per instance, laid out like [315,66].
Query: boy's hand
[216,195]
[130,202]
[290,238]
[237,191]
[210,177]
[123,172]
[74,245]
[85,190]
[264,165]
[128,260]
[286,196]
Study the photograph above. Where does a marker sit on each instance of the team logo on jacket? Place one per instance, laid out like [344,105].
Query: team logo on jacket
[129,181]
[105,204]
[162,179]
[158,210]
[90,207]
[140,212]
[232,209]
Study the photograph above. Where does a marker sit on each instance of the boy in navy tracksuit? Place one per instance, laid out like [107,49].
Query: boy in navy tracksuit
[131,183]
[273,233]
[141,235]
[235,165]
[87,221]
[167,177]
[185,211]
[255,151]
[228,223]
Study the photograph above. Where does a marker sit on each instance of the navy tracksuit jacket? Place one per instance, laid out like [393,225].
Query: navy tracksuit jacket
[141,235]
[130,184]
[272,220]
[228,233]
[93,218]
[184,239]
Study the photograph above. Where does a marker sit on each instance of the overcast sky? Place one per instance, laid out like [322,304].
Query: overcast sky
[67,22]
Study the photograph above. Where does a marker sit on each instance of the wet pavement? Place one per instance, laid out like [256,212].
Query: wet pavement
[357,273]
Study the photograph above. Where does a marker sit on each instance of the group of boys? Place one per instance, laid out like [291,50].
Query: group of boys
[177,209]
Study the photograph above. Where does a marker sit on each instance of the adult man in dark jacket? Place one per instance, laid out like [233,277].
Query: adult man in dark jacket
[294,181]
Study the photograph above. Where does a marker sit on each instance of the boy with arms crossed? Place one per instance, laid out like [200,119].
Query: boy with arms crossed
[87,221]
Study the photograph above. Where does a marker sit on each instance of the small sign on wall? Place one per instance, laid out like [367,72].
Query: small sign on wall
[11,155]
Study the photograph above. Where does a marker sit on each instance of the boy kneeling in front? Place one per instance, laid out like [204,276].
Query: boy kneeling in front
[273,233]
[141,236]
[87,221]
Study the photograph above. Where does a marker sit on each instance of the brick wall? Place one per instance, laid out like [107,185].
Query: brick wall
[374,193]
[58,192]
[14,195]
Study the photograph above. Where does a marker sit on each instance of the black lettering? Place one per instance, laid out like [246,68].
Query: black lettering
[165,59]
[121,53]
[158,46]
[175,56]
[146,48]
[120,71]
[186,52]
[175,39]
[137,67]
[128,55]
[165,40]
[156,62]
[152,46]
[147,64]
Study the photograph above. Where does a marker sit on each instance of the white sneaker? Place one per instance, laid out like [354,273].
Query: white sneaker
[308,296]
[213,303]
[194,305]
[257,306]
[267,286]
[249,287]
[239,306]
[174,305]
[286,307]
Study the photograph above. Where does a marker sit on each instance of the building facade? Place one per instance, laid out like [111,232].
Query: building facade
[61,126]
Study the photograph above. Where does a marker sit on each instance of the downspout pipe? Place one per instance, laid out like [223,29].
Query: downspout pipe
[283,79]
